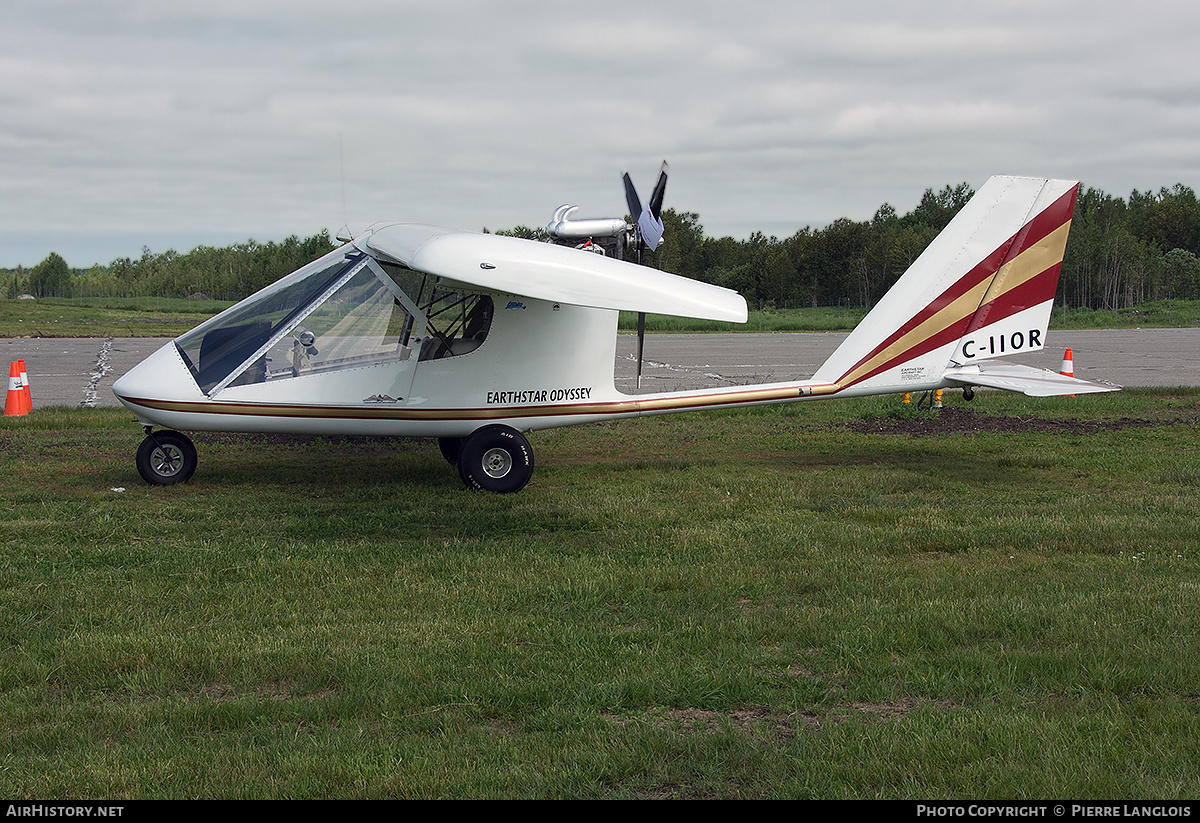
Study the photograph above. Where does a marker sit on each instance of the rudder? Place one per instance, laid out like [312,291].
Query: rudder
[992,273]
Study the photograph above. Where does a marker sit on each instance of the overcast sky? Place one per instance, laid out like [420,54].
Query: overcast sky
[131,123]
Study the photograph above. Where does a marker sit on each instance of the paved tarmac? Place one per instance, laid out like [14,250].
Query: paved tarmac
[674,362]
[81,371]
[75,371]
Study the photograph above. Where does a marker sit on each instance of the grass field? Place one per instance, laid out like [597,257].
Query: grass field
[145,317]
[170,317]
[847,599]
[852,599]
[1155,314]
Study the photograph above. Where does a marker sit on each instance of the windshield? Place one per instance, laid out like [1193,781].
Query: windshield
[344,310]
[217,347]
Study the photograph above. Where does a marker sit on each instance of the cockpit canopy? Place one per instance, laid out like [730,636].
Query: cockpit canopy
[345,310]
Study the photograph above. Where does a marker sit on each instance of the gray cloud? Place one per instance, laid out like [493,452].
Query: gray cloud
[126,123]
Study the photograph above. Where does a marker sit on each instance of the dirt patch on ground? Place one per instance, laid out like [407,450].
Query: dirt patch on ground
[960,421]
[344,442]
[764,722]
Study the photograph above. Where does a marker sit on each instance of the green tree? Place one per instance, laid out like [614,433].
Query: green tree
[1182,274]
[838,263]
[779,275]
[16,282]
[51,277]
[937,210]
[523,232]
[1169,219]
[682,248]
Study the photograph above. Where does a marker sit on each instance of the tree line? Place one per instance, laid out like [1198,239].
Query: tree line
[228,273]
[1121,253]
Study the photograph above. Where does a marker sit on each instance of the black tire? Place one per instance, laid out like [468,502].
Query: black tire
[450,447]
[166,457]
[496,459]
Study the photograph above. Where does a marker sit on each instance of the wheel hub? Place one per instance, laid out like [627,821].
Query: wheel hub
[497,463]
[167,460]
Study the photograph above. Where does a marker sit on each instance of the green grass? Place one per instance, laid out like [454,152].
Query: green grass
[758,320]
[167,317]
[766,603]
[1153,314]
[1156,314]
[135,317]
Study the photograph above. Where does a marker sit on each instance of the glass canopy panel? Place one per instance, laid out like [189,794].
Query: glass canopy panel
[342,311]
[217,347]
[360,324]
[457,322]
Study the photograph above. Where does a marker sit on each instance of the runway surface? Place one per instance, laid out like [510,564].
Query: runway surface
[1127,357]
[81,371]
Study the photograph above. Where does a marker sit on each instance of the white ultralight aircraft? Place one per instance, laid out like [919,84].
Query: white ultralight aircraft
[476,339]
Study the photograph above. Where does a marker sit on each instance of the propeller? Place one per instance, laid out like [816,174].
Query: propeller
[648,233]
[648,220]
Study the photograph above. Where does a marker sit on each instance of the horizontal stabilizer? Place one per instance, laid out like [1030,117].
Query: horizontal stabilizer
[1025,379]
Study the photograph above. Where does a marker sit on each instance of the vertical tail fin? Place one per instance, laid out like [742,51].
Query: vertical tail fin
[983,288]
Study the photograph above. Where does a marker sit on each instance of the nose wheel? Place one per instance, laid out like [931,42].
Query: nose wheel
[495,459]
[166,457]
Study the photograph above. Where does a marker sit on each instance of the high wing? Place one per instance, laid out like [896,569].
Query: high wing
[544,271]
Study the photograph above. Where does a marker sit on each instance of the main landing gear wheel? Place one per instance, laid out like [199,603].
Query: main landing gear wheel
[450,447]
[495,459]
[166,457]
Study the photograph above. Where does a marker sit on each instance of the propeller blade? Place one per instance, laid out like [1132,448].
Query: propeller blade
[651,230]
[660,191]
[641,342]
[631,199]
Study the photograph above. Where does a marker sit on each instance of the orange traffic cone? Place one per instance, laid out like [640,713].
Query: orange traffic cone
[14,402]
[1067,368]
[1068,364]
[25,387]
